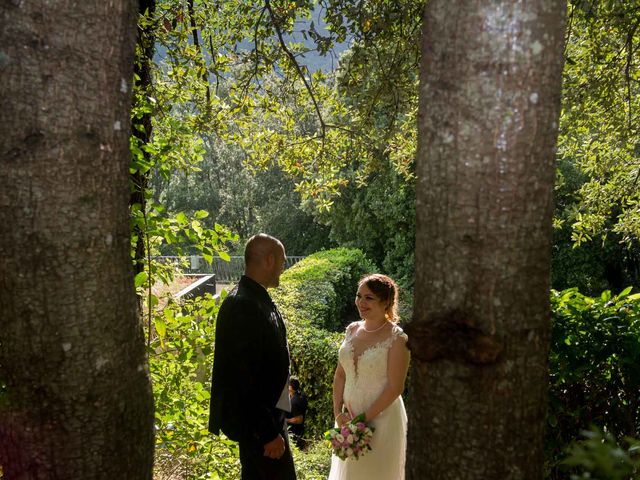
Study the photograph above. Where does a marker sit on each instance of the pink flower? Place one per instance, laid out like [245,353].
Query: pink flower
[352,440]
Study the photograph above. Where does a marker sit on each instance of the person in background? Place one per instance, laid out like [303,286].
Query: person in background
[296,417]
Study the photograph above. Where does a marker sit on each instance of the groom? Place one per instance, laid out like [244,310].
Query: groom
[249,388]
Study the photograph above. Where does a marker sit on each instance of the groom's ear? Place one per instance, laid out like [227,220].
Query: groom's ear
[270,260]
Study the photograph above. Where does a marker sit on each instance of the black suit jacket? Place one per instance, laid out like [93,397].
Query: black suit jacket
[250,366]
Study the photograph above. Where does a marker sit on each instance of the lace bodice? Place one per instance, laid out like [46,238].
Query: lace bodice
[366,374]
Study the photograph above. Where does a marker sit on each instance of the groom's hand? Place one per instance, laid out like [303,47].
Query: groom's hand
[275,448]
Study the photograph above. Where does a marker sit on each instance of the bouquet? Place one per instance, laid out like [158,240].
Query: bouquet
[352,440]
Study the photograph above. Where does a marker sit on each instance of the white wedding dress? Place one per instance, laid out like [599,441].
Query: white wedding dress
[366,378]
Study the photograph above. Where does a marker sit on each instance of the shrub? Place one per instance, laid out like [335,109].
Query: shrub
[316,298]
[314,463]
[320,289]
[180,361]
[314,356]
[594,368]
[599,457]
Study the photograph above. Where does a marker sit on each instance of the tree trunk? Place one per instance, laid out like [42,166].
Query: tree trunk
[489,108]
[75,397]
[142,126]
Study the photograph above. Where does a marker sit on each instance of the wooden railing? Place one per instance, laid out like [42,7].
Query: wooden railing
[225,272]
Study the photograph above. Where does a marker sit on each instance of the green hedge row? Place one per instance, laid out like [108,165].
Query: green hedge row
[316,297]
[320,290]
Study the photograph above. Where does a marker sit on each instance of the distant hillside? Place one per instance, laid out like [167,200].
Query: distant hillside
[312,60]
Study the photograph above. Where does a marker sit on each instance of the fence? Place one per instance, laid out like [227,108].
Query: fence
[225,272]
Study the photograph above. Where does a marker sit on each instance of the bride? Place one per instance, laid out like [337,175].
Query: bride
[372,366]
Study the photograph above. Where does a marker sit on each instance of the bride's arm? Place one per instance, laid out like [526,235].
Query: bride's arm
[397,367]
[338,390]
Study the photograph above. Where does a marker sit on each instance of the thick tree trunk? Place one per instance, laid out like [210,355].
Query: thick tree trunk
[490,94]
[75,397]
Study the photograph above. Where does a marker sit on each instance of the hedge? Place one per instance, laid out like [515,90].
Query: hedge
[316,298]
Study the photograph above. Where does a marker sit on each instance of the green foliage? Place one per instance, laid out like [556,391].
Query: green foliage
[270,113]
[600,457]
[598,125]
[378,217]
[314,356]
[314,462]
[320,290]
[280,210]
[233,75]
[594,367]
[316,299]
[180,361]
[183,232]
[245,200]
[595,265]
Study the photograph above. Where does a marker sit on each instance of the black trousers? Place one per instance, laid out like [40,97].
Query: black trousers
[255,466]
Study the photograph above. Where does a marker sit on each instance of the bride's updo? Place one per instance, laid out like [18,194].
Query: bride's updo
[386,290]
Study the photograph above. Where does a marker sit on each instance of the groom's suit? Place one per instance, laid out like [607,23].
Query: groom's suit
[250,372]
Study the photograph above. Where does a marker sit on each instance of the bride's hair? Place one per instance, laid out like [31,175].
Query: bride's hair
[386,290]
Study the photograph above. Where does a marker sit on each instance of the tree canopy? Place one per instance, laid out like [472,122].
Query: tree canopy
[238,81]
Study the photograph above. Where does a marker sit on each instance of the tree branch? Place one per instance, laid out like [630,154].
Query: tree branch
[256,63]
[196,43]
[627,68]
[296,65]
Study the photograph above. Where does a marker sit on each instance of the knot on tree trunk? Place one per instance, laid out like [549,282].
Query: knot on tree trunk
[453,335]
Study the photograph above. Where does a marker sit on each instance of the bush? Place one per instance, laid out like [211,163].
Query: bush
[594,368]
[600,457]
[314,463]
[316,299]
[180,361]
[320,289]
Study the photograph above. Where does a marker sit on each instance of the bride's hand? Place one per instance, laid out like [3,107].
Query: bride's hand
[350,410]
[343,418]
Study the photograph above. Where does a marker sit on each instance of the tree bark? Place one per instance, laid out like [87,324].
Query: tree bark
[488,120]
[75,397]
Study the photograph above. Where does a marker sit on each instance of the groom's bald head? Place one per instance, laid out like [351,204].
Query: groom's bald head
[264,259]
[259,247]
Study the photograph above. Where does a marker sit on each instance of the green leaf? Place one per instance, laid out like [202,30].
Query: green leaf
[182,219]
[161,328]
[153,301]
[141,278]
[625,292]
